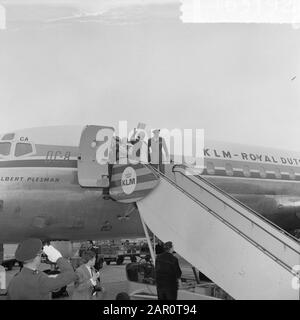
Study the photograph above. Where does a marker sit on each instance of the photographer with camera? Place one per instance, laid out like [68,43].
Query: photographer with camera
[87,285]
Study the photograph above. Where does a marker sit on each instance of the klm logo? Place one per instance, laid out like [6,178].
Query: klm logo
[128,182]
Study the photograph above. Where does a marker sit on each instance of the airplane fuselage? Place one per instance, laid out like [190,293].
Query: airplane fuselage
[40,195]
[50,204]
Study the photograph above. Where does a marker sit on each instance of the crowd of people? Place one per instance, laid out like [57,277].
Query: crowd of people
[33,284]
[153,151]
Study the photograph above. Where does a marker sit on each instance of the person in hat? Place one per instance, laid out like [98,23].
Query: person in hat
[156,146]
[167,273]
[32,284]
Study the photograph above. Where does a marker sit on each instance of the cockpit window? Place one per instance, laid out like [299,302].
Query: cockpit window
[5,148]
[22,149]
[8,136]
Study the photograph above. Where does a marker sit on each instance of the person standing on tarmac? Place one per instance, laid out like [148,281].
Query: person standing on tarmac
[32,284]
[168,273]
[99,260]
[87,285]
[159,248]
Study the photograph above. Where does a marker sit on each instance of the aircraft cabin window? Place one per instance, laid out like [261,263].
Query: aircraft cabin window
[5,148]
[229,170]
[246,170]
[277,173]
[292,174]
[210,168]
[262,172]
[22,149]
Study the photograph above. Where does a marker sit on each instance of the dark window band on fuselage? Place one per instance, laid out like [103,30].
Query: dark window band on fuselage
[210,169]
[246,172]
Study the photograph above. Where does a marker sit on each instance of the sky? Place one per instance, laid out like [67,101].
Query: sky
[140,63]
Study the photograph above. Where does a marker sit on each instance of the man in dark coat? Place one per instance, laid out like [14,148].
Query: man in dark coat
[159,248]
[32,284]
[168,273]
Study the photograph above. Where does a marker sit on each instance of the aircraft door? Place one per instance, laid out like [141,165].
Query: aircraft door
[94,151]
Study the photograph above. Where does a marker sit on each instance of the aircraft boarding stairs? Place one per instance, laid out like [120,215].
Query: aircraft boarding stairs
[243,253]
[239,250]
